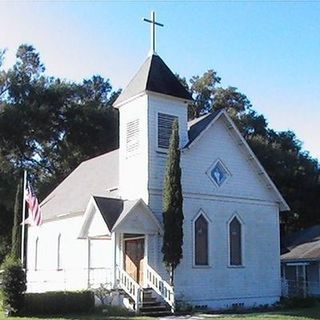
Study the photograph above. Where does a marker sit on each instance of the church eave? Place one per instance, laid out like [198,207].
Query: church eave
[117,104]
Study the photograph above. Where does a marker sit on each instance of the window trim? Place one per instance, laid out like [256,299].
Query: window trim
[208,173]
[160,149]
[59,265]
[238,217]
[193,225]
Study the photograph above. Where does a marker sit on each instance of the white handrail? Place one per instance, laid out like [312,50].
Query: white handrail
[130,286]
[160,286]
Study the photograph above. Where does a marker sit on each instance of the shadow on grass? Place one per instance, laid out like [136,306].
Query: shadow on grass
[284,314]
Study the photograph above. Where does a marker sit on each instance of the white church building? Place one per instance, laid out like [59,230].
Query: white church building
[103,223]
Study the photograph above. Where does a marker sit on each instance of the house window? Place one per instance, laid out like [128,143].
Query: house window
[36,252]
[165,122]
[132,143]
[59,261]
[235,242]
[201,241]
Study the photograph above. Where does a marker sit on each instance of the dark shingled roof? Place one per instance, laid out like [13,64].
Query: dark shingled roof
[302,245]
[155,76]
[197,125]
[110,209]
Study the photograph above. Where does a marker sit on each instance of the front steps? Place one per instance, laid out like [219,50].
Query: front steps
[151,306]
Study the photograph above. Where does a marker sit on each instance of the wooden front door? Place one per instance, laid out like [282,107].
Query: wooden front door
[134,258]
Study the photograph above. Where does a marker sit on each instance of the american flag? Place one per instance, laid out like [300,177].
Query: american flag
[35,215]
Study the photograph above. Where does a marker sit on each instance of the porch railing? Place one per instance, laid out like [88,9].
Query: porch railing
[160,286]
[294,288]
[130,286]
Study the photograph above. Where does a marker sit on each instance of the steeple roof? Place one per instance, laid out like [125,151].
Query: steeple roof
[154,76]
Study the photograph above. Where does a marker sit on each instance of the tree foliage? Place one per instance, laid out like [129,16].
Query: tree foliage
[16,229]
[13,285]
[48,126]
[172,206]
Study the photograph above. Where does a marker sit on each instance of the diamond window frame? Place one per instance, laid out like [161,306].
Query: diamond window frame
[211,168]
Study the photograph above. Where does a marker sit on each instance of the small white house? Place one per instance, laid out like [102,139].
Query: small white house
[103,223]
[300,263]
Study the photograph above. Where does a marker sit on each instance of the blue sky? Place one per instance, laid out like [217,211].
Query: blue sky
[269,50]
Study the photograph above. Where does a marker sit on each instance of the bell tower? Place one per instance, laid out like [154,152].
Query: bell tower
[149,104]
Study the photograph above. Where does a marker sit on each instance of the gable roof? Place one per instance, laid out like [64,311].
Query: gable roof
[153,76]
[114,213]
[302,245]
[196,126]
[97,175]
[93,176]
[110,209]
[198,129]
[129,206]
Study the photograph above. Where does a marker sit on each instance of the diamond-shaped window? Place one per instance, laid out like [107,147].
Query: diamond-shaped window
[218,173]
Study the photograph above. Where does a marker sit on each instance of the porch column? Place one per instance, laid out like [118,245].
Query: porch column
[114,242]
[304,280]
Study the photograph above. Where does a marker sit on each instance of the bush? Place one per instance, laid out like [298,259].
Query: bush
[298,302]
[13,285]
[58,302]
[114,311]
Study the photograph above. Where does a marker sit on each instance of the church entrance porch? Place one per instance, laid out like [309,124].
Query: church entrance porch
[134,257]
[123,237]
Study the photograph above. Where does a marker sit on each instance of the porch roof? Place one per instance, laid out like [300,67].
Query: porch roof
[110,209]
[302,245]
[106,215]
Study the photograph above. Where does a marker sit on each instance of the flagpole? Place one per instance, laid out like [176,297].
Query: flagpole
[23,215]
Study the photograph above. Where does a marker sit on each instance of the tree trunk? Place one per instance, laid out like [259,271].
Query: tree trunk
[16,229]
[171,275]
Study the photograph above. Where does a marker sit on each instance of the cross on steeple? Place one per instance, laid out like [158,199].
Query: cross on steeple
[153,30]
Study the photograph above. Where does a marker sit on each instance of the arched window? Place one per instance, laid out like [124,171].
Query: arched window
[36,252]
[59,261]
[235,242]
[201,241]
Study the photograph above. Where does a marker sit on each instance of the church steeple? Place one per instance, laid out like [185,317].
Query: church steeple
[153,76]
[148,106]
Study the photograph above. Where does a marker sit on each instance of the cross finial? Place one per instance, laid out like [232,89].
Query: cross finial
[153,31]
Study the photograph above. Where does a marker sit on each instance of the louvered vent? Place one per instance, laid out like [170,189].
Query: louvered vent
[165,122]
[132,137]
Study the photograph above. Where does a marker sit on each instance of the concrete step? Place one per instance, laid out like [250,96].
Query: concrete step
[149,300]
[152,303]
[151,306]
[156,313]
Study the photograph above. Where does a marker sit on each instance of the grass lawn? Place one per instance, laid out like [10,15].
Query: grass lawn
[299,314]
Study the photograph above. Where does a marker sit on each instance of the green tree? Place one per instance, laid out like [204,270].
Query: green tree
[13,285]
[16,229]
[173,206]
[203,90]
[48,126]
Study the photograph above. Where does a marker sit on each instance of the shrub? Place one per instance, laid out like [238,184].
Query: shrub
[114,311]
[58,302]
[298,302]
[102,292]
[13,285]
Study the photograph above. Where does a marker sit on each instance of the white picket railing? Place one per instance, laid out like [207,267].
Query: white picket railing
[130,286]
[161,287]
[294,288]
[67,279]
